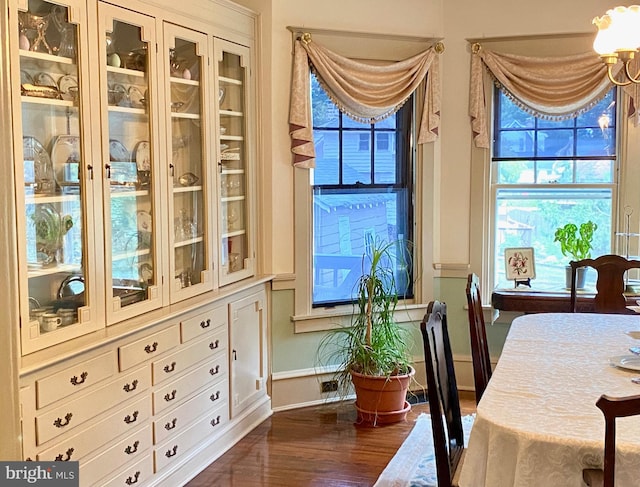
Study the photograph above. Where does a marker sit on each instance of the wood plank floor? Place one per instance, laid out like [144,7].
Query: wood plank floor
[314,446]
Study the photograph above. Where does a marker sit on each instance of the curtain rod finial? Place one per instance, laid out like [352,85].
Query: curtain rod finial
[306,38]
[439,47]
[475,47]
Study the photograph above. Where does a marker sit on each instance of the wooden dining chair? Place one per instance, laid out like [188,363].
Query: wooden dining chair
[442,393]
[477,330]
[612,408]
[610,283]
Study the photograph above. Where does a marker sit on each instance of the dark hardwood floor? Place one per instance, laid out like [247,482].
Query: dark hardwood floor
[314,446]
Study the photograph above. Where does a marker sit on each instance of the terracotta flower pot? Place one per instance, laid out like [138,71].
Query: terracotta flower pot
[381,400]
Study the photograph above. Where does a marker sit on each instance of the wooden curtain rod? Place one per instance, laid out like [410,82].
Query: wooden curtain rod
[301,30]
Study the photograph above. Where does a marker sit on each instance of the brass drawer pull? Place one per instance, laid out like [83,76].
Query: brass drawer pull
[170,397]
[60,458]
[205,324]
[130,450]
[131,387]
[131,481]
[214,370]
[172,452]
[214,345]
[131,418]
[170,368]
[215,421]
[171,424]
[76,382]
[151,348]
[58,423]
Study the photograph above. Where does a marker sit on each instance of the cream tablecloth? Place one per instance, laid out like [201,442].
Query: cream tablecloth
[537,423]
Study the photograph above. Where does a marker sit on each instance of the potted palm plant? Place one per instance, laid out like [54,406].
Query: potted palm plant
[576,242]
[373,352]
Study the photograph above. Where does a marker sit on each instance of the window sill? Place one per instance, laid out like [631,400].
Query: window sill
[329,319]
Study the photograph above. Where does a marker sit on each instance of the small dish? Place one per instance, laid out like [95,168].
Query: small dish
[118,152]
[144,221]
[142,153]
[117,94]
[629,362]
[25,77]
[136,98]
[188,179]
[68,87]
[44,79]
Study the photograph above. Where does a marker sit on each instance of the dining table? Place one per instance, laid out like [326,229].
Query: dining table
[537,423]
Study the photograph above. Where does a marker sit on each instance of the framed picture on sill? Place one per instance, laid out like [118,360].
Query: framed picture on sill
[519,263]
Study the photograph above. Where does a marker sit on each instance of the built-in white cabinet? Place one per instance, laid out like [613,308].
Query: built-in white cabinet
[135,148]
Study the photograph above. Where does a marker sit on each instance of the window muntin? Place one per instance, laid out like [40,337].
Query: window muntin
[547,173]
[359,195]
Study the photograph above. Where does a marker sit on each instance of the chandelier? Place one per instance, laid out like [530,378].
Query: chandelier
[618,38]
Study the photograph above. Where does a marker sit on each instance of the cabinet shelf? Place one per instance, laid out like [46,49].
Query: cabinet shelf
[183,81]
[41,56]
[118,192]
[125,72]
[184,243]
[231,113]
[190,116]
[231,137]
[34,270]
[232,171]
[40,100]
[42,199]
[235,233]
[626,234]
[127,110]
[230,81]
[129,255]
[187,189]
[229,199]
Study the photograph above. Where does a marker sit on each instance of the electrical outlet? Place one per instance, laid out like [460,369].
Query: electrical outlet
[329,386]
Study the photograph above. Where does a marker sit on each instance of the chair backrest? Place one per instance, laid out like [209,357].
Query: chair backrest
[610,283]
[612,408]
[478,333]
[442,392]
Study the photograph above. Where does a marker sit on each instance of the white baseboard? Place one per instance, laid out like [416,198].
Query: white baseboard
[302,387]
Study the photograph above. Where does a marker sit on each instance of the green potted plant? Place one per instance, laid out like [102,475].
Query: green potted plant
[374,352]
[576,242]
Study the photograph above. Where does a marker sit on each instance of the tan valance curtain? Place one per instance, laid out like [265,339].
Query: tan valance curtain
[365,92]
[555,88]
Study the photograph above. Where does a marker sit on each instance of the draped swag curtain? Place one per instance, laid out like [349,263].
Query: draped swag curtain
[365,92]
[554,88]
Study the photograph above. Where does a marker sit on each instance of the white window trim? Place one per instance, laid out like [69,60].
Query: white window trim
[367,46]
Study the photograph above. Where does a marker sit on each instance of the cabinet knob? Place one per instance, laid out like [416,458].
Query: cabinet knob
[108,169]
[131,418]
[205,324]
[151,348]
[171,424]
[172,452]
[131,387]
[214,370]
[214,345]
[76,382]
[61,423]
[215,421]
[215,397]
[132,449]
[170,368]
[170,397]
[134,479]
[67,457]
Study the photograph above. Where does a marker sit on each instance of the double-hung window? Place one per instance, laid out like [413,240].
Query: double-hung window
[362,193]
[546,174]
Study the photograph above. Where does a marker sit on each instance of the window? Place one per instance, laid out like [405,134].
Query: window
[361,194]
[548,173]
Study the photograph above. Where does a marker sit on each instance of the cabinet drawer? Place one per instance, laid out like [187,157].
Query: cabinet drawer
[204,323]
[176,363]
[175,392]
[67,416]
[177,420]
[109,460]
[74,379]
[136,474]
[148,347]
[215,421]
[100,432]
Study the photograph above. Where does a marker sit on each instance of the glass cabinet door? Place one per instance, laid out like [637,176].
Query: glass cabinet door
[234,162]
[130,182]
[190,231]
[53,173]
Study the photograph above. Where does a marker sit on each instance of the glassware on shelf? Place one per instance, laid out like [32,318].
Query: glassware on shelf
[38,168]
[184,226]
[50,227]
[232,219]
[35,26]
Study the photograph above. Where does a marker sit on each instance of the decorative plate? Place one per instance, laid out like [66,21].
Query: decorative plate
[221,94]
[136,98]
[44,79]
[142,153]
[145,271]
[25,77]
[144,221]
[118,152]
[68,86]
[65,156]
